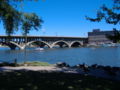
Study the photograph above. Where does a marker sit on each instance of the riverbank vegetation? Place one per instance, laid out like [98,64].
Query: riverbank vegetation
[37,63]
[32,63]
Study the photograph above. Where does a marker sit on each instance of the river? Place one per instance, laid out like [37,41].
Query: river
[72,56]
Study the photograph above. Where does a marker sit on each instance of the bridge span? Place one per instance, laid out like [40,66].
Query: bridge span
[42,41]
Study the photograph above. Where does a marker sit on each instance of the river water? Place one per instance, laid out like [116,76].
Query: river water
[72,56]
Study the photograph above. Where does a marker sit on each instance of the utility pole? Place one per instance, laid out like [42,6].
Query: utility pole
[43,31]
[56,34]
[25,36]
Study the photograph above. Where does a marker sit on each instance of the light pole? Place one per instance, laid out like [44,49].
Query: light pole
[43,31]
[56,34]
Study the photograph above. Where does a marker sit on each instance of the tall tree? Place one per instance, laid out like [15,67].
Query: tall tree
[10,16]
[30,21]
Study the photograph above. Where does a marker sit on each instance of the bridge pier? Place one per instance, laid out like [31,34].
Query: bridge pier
[41,46]
[12,47]
[75,45]
[61,45]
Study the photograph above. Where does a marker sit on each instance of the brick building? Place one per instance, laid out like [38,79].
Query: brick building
[99,37]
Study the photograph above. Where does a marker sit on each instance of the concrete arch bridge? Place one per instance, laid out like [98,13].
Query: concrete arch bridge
[42,41]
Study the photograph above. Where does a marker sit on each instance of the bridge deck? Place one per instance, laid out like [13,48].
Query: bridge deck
[45,37]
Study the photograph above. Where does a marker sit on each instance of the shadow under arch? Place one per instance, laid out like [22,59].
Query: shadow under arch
[60,43]
[44,43]
[12,45]
[76,44]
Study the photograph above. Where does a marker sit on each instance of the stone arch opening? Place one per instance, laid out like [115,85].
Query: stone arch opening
[11,45]
[60,44]
[41,44]
[76,44]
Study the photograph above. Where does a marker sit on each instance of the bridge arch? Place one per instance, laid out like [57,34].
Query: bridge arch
[76,44]
[60,41]
[12,45]
[38,41]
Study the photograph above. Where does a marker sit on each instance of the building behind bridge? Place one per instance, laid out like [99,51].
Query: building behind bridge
[99,37]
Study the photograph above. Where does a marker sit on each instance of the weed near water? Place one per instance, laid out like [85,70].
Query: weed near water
[36,63]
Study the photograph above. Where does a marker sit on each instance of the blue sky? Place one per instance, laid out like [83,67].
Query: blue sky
[66,17]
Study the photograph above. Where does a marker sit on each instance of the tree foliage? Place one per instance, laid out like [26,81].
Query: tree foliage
[115,37]
[110,15]
[30,21]
[9,16]
[13,19]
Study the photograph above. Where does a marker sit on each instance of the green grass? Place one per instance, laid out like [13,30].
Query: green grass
[37,63]
[35,80]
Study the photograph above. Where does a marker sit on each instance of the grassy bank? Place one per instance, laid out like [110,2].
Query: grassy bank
[37,63]
[32,63]
[34,80]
